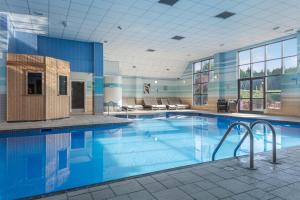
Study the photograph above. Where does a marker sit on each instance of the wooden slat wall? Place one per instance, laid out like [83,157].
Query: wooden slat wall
[20,106]
[56,106]
[49,105]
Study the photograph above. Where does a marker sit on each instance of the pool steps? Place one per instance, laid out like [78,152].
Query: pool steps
[250,133]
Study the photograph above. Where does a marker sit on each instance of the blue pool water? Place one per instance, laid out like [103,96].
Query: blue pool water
[33,163]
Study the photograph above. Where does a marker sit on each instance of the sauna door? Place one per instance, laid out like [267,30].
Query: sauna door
[77,96]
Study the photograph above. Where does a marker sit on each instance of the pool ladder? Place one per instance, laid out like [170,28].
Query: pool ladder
[250,133]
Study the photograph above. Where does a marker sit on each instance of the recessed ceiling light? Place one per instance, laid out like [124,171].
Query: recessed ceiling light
[119,27]
[276,28]
[177,37]
[37,13]
[150,50]
[225,15]
[168,2]
[289,30]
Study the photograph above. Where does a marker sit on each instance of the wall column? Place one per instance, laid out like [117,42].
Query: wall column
[4,37]
[98,78]
[113,92]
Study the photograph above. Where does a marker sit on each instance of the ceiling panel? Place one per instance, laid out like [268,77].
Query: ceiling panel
[130,27]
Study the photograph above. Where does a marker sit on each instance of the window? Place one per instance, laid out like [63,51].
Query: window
[263,66]
[203,71]
[273,51]
[63,85]
[34,83]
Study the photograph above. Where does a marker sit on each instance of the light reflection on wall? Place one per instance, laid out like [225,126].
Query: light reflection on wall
[42,160]
[203,148]
[57,162]
[29,23]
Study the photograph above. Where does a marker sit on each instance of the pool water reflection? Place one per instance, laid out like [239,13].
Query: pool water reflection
[35,163]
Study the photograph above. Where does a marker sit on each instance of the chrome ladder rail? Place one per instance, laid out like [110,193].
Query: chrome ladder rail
[273,138]
[249,131]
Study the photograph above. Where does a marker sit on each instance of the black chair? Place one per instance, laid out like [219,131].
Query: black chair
[222,105]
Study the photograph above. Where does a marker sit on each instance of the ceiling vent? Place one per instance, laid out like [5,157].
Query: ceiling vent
[168,2]
[150,50]
[225,15]
[177,37]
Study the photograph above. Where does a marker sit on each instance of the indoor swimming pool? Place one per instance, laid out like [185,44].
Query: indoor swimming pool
[38,162]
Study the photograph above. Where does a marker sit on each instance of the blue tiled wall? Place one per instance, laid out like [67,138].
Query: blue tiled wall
[83,56]
[79,54]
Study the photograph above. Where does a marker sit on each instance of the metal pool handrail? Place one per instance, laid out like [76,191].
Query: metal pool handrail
[249,131]
[273,138]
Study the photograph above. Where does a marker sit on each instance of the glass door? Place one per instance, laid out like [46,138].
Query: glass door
[257,95]
[252,95]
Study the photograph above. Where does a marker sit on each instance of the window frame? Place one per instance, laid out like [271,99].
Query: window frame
[58,85]
[201,95]
[265,76]
[42,83]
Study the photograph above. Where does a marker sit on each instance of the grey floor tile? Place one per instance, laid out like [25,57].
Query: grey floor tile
[172,194]
[103,194]
[171,182]
[99,187]
[146,180]
[56,197]
[190,188]
[86,196]
[161,176]
[187,177]
[213,177]
[260,194]
[123,197]
[154,187]
[220,192]
[143,194]
[288,193]
[276,182]
[243,196]
[77,192]
[235,186]
[203,195]
[206,184]
[126,187]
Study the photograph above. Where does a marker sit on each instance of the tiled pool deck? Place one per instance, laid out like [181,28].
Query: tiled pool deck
[75,120]
[243,115]
[86,120]
[224,179]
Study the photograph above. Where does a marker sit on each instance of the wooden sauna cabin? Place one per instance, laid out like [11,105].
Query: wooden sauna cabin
[38,88]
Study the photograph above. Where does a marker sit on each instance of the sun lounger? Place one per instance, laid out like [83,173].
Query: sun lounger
[176,101]
[126,106]
[149,104]
[159,106]
[166,103]
[131,102]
